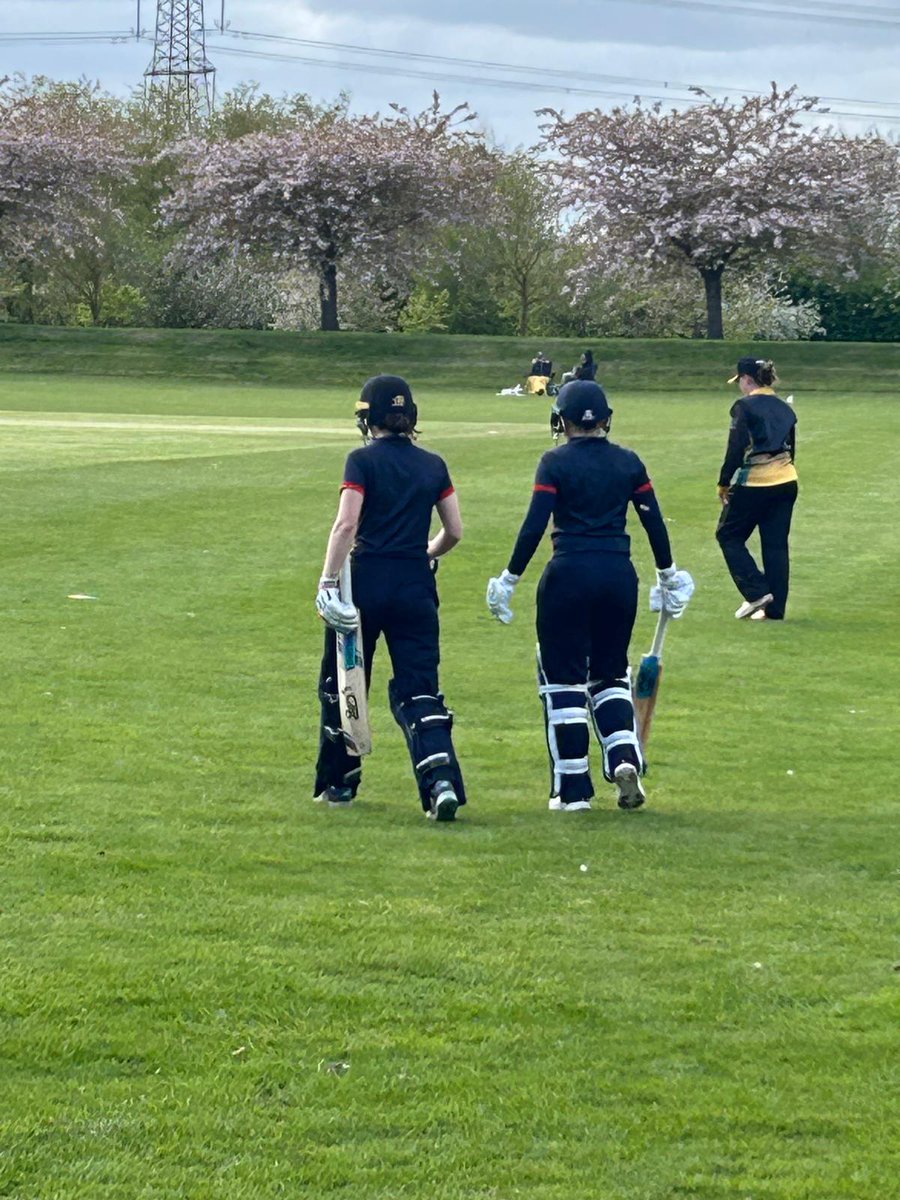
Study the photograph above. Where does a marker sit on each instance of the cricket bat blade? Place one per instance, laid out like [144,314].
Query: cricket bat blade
[351,680]
[646,687]
[646,690]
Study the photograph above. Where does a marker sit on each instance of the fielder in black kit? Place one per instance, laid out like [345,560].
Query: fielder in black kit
[587,597]
[389,491]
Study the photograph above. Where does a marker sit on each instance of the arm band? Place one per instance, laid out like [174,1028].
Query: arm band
[539,513]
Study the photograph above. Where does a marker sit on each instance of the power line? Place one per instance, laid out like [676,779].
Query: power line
[411,73]
[629,81]
[508,84]
[836,14]
[98,35]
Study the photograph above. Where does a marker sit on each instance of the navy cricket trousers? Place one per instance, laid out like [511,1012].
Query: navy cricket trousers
[397,598]
[586,607]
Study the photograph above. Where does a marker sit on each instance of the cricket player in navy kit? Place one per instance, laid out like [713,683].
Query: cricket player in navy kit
[390,489]
[587,597]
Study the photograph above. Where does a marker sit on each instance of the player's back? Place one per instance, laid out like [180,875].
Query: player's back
[594,481]
[400,483]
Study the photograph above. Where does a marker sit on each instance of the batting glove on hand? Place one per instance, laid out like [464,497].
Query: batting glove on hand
[335,612]
[672,591]
[499,596]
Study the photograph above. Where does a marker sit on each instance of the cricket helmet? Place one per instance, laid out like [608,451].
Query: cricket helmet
[381,396]
[387,395]
[582,402]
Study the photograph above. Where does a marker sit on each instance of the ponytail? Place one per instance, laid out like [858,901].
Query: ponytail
[401,423]
[765,373]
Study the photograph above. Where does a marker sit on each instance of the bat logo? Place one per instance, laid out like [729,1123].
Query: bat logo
[352,706]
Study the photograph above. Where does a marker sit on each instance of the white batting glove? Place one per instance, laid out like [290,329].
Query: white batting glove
[672,591]
[499,596]
[335,612]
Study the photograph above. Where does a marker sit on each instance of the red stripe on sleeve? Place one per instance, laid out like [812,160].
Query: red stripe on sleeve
[645,487]
[447,492]
[545,487]
[354,487]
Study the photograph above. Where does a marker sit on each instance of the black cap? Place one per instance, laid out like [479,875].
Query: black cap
[747,366]
[582,402]
[385,394]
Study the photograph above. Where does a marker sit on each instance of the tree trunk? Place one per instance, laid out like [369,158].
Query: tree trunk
[712,282]
[95,297]
[26,303]
[328,297]
[524,307]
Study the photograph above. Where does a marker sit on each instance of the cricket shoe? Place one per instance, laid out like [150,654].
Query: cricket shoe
[444,802]
[759,615]
[336,797]
[631,790]
[557,805]
[749,607]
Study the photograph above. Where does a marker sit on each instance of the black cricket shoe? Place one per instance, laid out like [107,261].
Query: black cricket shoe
[336,797]
[628,782]
[444,802]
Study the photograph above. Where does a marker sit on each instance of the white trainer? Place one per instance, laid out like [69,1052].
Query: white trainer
[749,607]
[557,805]
[631,790]
[335,797]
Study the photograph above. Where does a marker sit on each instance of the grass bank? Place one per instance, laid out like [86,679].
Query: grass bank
[343,359]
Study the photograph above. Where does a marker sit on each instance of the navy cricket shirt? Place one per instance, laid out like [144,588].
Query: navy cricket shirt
[400,484]
[586,485]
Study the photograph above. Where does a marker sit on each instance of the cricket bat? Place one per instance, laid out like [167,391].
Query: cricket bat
[351,678]
[646,686]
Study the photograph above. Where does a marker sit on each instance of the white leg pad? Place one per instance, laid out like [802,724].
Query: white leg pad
[562,712]
[622,737]
[612,693]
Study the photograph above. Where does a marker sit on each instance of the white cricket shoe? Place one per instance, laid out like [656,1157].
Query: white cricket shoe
[335,797]
[557,805]
[631,790]
[749,607]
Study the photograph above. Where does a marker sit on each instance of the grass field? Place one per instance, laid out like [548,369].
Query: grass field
[213,988]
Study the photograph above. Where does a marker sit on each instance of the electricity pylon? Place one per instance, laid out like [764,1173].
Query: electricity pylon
[180,70]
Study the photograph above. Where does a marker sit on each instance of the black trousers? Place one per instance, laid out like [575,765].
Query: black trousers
[396,598]
[768,509]
[586,606]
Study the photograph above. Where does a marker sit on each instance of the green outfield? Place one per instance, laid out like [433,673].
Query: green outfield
[213,988]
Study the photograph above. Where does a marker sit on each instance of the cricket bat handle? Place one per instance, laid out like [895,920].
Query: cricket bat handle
[660,636]
[346,582]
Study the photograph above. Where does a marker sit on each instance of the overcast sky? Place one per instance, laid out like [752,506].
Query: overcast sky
[657,41]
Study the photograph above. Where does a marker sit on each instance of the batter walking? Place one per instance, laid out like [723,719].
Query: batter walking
[389,491]
[758,490]
[587,597]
